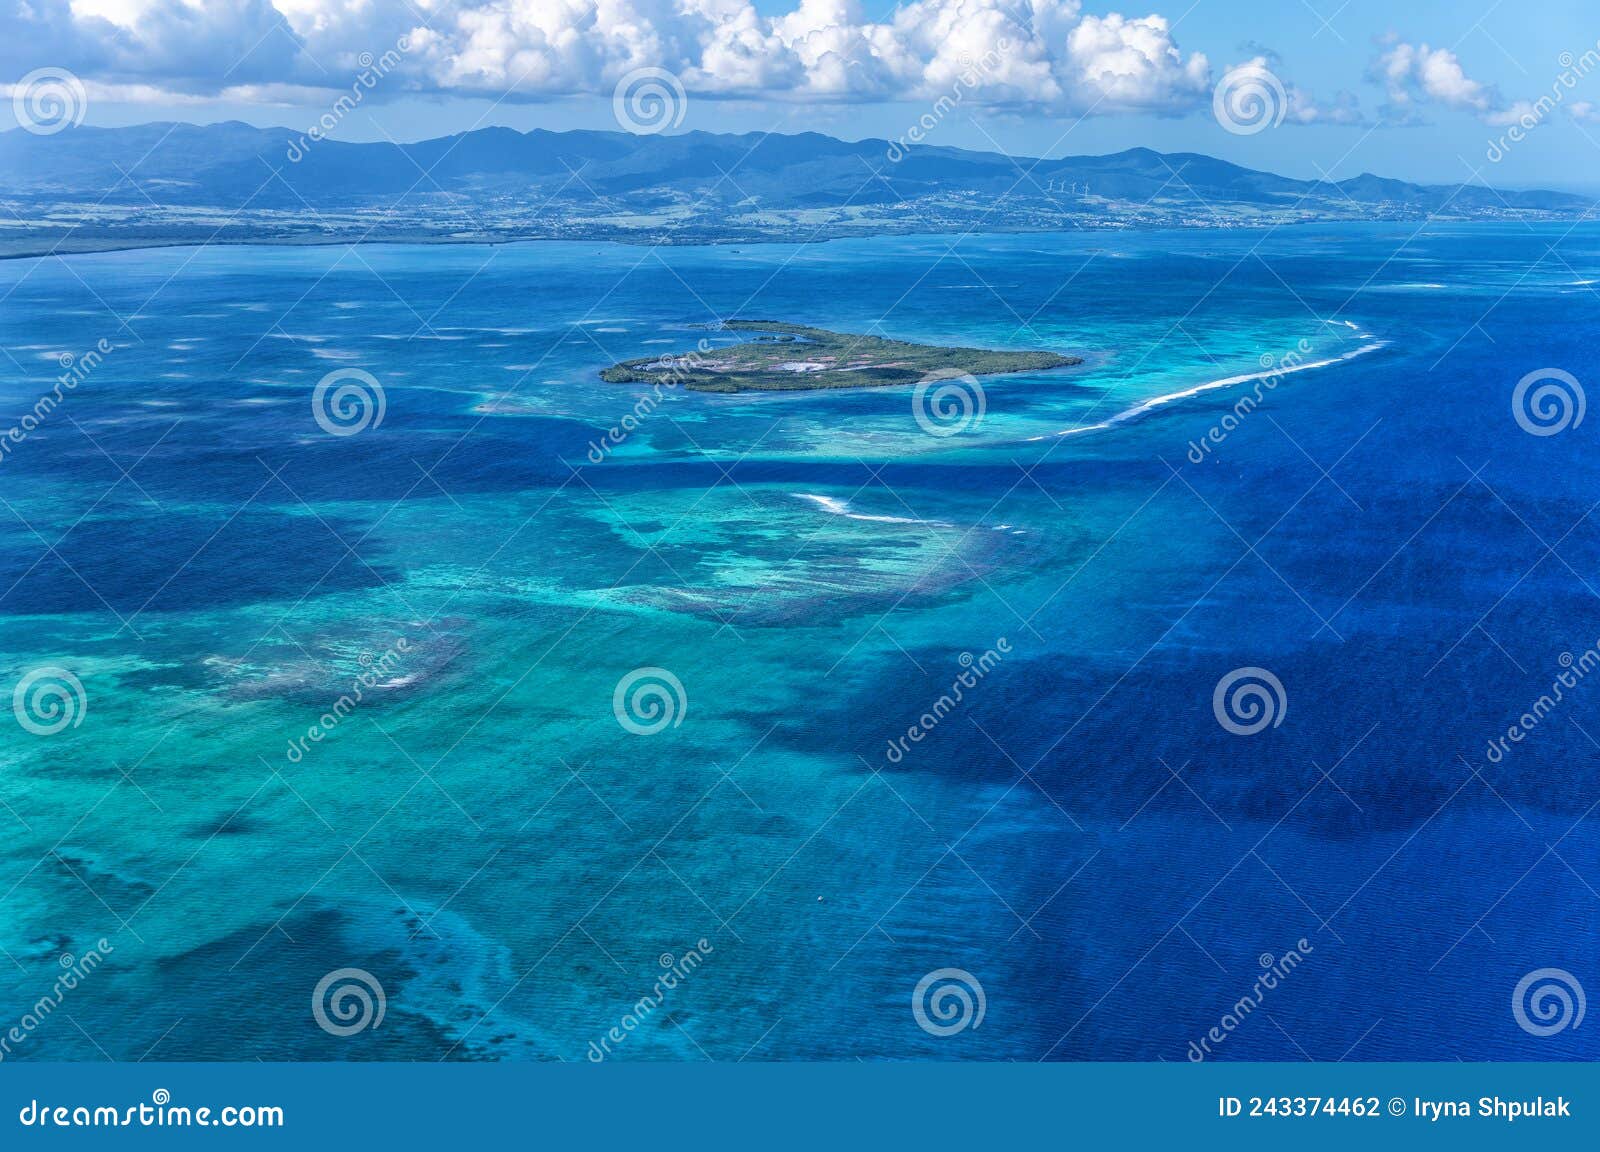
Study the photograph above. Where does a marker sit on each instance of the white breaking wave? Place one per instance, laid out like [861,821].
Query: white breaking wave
[842,508]
[1146,406]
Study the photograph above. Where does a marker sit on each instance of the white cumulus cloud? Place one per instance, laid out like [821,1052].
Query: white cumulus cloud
[1416,74]
[1043,54]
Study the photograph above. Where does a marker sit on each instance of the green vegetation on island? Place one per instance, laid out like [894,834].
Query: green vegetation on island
[782,357]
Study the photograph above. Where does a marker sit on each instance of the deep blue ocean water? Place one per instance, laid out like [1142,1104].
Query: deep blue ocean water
[1079,835]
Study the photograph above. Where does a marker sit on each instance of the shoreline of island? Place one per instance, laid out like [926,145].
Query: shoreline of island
[781,356]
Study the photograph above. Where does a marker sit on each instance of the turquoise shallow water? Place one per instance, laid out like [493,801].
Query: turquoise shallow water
[516,868]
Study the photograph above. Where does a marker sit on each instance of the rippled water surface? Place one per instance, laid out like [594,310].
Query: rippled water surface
[517,853]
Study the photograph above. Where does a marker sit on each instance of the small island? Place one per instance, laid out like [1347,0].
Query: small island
[782,357]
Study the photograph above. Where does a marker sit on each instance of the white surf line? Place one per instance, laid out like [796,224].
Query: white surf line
[1211,385]
[842,508]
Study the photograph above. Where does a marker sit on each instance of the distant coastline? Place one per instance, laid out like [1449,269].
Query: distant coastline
[96,245]
[92,246]
[168,184]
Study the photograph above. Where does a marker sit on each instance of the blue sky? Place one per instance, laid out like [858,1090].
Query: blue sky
[1420,90]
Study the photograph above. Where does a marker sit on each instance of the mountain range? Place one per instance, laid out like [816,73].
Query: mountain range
[182,183]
